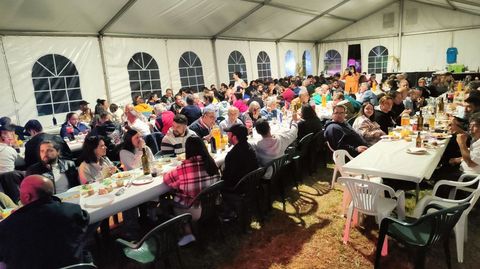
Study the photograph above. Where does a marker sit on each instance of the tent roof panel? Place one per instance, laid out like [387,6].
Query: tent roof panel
[359,9]
[268,22]
[316,6]
[173,17]
[86,16]
[319,29]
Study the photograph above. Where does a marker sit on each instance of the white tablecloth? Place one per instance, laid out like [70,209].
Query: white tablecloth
[389,159]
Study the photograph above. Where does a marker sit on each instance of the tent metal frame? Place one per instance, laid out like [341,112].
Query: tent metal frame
[449,7]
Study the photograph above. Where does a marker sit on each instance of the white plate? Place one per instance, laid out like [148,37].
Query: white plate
[98,200]
[417,151]
[142,180]
[69,196]
[389,138]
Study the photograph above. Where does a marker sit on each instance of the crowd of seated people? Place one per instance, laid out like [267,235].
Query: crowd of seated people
[362,111]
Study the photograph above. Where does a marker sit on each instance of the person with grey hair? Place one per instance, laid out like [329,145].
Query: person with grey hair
[134,120]
[232,118]
[365,94]
[252,114]
[163,119]
[302,99]
[203,125]
[270,111]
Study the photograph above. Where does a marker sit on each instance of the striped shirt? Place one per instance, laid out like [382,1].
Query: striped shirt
[172,144]
[189,179]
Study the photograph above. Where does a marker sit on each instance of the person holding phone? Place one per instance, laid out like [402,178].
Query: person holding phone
[351,77]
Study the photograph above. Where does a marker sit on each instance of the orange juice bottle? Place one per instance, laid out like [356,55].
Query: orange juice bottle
[324,100]
[217,135]
[405,121]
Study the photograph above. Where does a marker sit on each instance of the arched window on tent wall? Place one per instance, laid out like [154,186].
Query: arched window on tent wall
[377,60]
[263,66]
[191,72]
[236,63]
[144,75]
[290,63]
[332,62]
[307,63]
[56,85]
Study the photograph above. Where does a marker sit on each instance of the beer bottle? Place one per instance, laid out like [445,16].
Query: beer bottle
[145,162]
[418,141]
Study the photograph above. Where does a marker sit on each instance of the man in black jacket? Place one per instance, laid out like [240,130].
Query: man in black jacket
[44,233]
[241,159]
[61,172]
[340,135]
[35,129]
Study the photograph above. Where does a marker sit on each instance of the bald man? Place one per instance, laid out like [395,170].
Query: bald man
[44,233]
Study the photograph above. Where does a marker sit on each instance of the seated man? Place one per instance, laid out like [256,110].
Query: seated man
[271,146]
[241,159]
[270,111]
[8,154]
[383,116]
[135,122]
[365,94]
[174,141]
[61,172]
[203,125]
[340,135]
[339,99]
[191,111]
[32,147]
[44,233]
[232,118]
[470,160]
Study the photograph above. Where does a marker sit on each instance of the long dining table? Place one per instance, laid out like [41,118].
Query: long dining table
[391,159]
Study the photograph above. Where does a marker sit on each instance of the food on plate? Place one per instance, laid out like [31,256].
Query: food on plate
[87,190]
[70,197]
[439,135]
[105,190]
[181,157]
[121,175]
[120,183]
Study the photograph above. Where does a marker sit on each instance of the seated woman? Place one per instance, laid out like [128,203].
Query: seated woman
[252,115]
[310,122]
[366,126]
[195,173]
[95,164]
[131,153]
[72,127]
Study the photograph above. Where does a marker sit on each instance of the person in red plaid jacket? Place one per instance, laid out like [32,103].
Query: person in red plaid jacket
[195,173]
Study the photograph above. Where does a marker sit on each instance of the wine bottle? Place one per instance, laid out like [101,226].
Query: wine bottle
[145,162]
[420,121]
[213,146]
[418,141]
[54,121]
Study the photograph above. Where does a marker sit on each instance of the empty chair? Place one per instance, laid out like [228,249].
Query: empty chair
[158,243]
[461,228]
[368,198]
[274,176]
[246,195]
[301,157]
[422,233]
[340,157]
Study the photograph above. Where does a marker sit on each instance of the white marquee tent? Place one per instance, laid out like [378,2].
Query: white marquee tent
[55,52]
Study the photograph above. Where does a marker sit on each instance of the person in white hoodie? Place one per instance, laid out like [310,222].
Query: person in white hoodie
[271,146]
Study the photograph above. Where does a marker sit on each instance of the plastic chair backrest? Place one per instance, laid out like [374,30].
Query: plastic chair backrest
[250,182]
[441,221]
[474,195]
[166,234]
[276,165]
[330,147]
[80,266]
[365,193]
[303,145]
[207,199]
[340,159]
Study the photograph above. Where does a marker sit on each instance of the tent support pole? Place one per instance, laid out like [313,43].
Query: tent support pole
[168,65]
[104,68]
[400,30]
[10,83]
[215,61]
[251,62]
[278,59]
[317,58]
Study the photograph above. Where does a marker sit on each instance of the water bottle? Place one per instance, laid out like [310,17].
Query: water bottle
[54,121]
[280,117]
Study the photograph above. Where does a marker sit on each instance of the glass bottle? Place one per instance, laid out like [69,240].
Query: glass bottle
[420,121]
[418,141]
[145,162]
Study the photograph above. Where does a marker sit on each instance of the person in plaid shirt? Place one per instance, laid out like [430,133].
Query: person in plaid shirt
[195,173]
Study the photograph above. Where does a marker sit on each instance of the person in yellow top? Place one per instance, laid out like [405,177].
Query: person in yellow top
[351,77]
[142,107]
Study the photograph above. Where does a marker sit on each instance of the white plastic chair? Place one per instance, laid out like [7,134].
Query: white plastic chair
[369,198]
[461,228]
[340,157]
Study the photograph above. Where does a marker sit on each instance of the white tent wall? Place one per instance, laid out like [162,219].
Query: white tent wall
[22,52]
[8,105]
[297,49]
[223,48]
[427,33]
[204,51]
[119,51]
[270,49]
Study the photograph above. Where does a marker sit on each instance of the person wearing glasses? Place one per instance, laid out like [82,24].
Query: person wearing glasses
[470,160]
[340,135]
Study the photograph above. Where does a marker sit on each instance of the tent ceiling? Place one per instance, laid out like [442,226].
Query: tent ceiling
[302,20]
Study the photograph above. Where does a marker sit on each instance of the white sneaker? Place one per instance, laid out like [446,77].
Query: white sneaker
[185,240]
